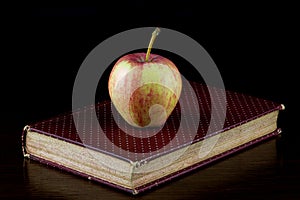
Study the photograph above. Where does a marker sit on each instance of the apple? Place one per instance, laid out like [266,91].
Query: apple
[145,88]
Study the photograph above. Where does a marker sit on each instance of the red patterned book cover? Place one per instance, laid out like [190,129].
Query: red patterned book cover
[96,143]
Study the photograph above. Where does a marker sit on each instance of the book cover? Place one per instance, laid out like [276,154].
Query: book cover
[108,150]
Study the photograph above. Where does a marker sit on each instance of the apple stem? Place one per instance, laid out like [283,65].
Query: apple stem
[154,35]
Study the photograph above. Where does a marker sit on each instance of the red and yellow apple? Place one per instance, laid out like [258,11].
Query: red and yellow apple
[144,88]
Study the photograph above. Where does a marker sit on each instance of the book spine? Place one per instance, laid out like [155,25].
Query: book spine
[23,140]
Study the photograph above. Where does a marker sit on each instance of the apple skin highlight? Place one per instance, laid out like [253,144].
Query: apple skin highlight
[144,92]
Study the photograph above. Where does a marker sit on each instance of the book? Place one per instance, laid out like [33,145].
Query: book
[108,150]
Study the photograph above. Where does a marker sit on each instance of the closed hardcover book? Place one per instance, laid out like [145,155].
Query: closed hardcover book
[96,143]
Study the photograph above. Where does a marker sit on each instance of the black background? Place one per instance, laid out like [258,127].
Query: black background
[253,45]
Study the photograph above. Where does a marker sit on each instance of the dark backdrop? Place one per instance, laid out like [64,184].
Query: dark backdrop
[253,45]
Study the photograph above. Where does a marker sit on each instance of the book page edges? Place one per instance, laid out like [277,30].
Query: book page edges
[206,162]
